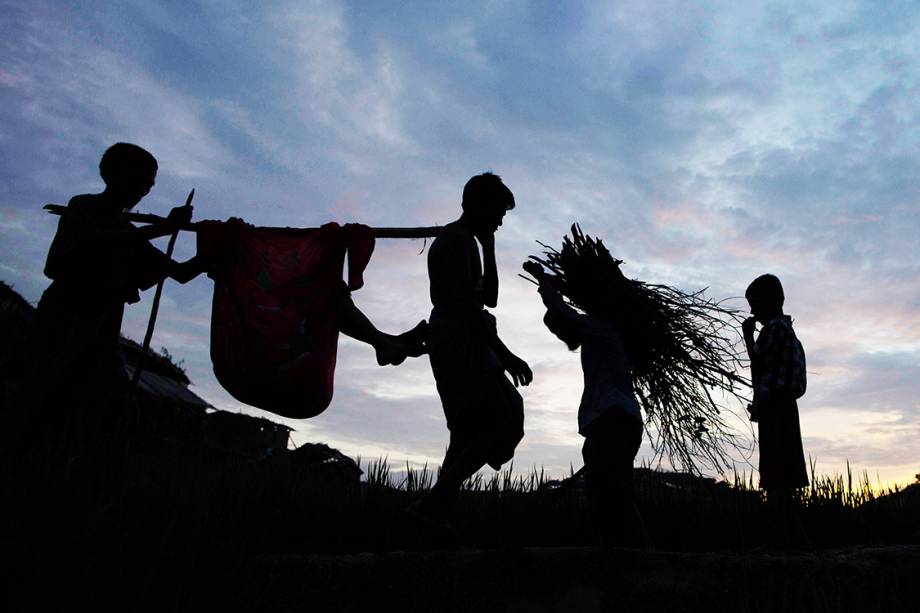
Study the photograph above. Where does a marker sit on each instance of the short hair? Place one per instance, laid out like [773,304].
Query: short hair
[766,288]
[486,190]
[123,159]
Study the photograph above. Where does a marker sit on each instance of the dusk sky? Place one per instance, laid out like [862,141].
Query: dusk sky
[706,142]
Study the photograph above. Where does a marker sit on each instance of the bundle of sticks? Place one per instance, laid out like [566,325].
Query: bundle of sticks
[683,347]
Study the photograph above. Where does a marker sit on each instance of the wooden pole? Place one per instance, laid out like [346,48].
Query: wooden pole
[381,232]
[141,362]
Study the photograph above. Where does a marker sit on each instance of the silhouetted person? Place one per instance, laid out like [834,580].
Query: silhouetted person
[98,262]
[778,376]
[485,413]
[609,416]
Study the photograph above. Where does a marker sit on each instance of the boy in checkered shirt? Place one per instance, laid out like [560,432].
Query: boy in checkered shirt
[778,376]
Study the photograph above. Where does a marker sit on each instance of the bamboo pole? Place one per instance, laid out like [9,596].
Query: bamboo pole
[142,360]
[380,232]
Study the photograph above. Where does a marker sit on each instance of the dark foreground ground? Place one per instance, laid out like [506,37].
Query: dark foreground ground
[587,579]
[161,525]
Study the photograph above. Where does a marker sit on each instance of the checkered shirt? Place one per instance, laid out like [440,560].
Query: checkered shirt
[778,362]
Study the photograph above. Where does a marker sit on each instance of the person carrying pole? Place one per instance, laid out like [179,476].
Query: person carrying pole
[98,262]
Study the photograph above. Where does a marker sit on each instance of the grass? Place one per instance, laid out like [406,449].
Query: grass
[682,513]
[124,519]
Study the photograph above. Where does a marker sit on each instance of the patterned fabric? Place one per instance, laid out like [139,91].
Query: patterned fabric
[277,294]
[778,362]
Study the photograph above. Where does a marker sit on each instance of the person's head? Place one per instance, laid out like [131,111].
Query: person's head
[765,295]
[129,172]
[485,201]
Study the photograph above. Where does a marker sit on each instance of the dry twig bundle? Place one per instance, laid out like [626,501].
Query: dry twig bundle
[682,346]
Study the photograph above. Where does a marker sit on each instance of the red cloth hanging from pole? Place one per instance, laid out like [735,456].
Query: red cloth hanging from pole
[273,321]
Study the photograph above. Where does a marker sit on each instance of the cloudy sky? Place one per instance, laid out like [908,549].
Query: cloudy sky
[706,142]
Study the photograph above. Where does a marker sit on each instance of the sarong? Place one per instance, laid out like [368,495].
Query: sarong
[475,392]
[782,459]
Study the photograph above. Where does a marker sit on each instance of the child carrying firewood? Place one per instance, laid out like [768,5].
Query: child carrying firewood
[608,416]
[648,345]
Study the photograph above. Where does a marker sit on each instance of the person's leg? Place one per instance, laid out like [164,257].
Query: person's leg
[628,440]
[609,452]
[630,527]
[777,502]
[785,525]
[598,503]
[466,454]
[390,349]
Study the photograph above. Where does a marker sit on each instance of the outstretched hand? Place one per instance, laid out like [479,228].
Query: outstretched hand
[518,370]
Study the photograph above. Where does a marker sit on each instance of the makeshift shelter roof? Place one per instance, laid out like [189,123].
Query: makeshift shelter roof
[161,378]
[166,388]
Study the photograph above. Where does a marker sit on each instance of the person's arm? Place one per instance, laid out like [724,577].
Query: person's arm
[449,266]
[178,217]
[183,272]
[561,319]
[489,271]
[516,368]
[765,354]
[747,330]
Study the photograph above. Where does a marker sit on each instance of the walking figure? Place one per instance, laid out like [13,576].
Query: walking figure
[485,413]
[609,416]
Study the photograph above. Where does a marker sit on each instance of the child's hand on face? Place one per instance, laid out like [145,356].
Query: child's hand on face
[747,326]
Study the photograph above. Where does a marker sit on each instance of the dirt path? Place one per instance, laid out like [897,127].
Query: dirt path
[587,580]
